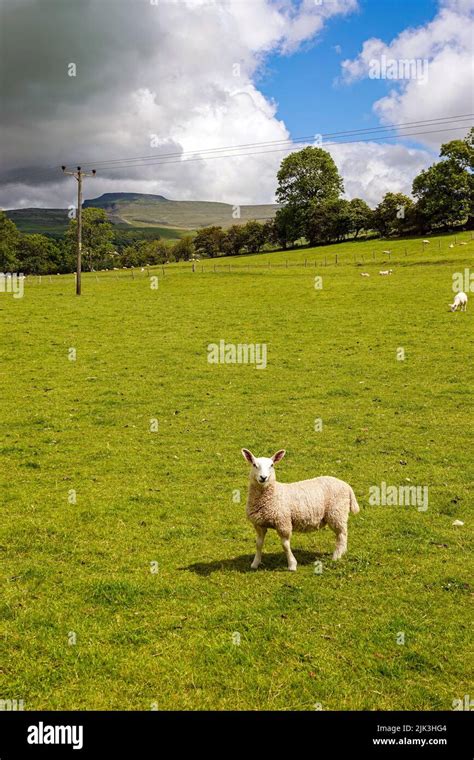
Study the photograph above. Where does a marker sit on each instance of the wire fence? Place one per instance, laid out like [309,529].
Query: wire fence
[216,266]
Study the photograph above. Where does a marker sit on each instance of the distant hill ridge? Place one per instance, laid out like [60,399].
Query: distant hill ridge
[146,210]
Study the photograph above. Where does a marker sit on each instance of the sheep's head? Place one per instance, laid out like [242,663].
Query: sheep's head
[262,470]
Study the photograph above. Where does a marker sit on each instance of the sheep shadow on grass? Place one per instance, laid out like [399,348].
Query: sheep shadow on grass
[272,561]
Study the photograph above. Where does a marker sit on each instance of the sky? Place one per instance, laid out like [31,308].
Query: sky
[94,81]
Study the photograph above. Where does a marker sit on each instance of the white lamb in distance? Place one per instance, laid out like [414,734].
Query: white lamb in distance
[302,506]
[386,271]
[364,274]
[460,300]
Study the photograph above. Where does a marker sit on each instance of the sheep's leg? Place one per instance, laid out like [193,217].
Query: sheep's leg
[341,543]
[285,542]
[260,539]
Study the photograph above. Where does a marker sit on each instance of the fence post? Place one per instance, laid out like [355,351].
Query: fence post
[287,263]
[336,258]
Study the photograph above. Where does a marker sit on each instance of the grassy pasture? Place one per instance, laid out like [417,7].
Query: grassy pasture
[88,625]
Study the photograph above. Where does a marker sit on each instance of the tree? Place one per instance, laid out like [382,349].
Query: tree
[208,241]
[38,254]
[444,194]
[329,220]
[9,240]
[183,250]
[361,216]
[254,236]
[97,238]
[393,214]
[234,240]
[308,175]
[445,191]
[460,151]
[285,227]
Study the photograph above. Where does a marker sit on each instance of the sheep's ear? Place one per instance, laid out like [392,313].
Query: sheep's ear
[279,455]
[248,455]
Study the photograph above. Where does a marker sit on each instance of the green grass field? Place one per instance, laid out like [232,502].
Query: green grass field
[90,622]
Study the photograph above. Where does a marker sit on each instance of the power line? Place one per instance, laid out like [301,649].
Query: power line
[375,134]
[292,141]
[160,162]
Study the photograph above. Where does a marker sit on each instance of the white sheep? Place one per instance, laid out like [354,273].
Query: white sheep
[460,300]
[386,271]
[302,506]
[364,274]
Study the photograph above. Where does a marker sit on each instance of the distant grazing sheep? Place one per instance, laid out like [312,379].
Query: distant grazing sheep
[386,271]
[302,506]
[364,274]
[460,300]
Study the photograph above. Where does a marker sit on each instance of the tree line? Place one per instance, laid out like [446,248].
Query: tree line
[311,211]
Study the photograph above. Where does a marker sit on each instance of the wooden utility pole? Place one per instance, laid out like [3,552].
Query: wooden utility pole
[79,174]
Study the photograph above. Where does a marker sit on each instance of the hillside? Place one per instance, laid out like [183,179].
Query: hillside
[156,211]
[170,219]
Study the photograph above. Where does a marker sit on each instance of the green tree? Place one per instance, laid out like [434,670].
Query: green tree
[361,216]
[234,240]
[9,240]
[183,250]
[254,236]
[285,227]
[445,191]
[329,220]
[38,254]
[306,176]
[392,216]
[97,238]
[209,241]
[444,194]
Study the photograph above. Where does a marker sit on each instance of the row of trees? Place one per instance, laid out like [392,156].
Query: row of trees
[39,254]
[310,188]
[311,209]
